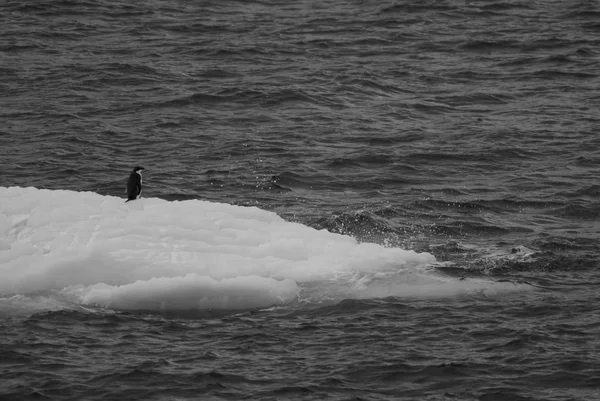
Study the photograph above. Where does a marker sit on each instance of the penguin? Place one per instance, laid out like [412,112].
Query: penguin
[134,184]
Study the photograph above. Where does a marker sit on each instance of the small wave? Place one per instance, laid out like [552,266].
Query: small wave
[399,138]
[412,7]
[282,97]
[592,191]
[236,52]
[477,98]
[585,52]
[15,48]
[512,262]
[218,73]
[416,158]
[584,14]
[577,211]
[371,87]
[592,26]
[503,6]
[372,41]
[361,225]
[363,160]
[224,96]
[558,59]
[561,74]
[560,244]
[294,180]
[488,46]
[410,372]
[52,8]
[128,68]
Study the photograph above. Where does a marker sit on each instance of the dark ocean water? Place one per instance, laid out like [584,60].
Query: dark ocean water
[467,129]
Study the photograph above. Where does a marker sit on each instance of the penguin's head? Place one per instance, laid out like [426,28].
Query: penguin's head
[138,169]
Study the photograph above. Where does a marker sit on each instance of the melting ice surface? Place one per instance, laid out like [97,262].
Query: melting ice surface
[87,249]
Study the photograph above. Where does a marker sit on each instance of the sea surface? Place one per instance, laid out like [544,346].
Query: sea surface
[464,129]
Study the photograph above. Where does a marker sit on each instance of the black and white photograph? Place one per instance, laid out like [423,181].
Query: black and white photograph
[279,200]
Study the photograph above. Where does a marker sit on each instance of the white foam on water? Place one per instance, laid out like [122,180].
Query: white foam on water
[151,254]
